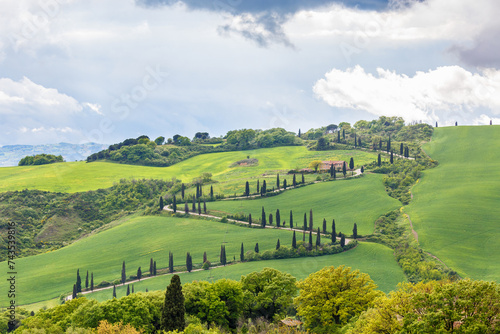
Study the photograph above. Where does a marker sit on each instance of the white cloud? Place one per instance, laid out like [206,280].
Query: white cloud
[421,97]
[485,120]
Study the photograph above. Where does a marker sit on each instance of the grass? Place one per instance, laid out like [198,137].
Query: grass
[359,201]
[135,241]
[80,176]
[374,259]
[456,205]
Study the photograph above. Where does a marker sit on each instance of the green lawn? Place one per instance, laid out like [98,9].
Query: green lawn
[359,201]
[46,276]
[373,259]
[456,206]
[81,176]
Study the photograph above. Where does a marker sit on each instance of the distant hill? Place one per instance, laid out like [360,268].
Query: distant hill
[11,154]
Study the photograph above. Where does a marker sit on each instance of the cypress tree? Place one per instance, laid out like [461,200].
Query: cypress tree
[278,218]
[456,123]
[305,221]
[132,288]
[343,134]
[186,208]
[87,281]
[294,181]
[344,168]
[338,136]
[154,268]
[174,205]
[189,262]
[351,163]
[172,315]
[124,275]
[211,193]
[303,179]
[379,160]
[436,124]
[284,184]
[278,181]
[389,144]
[256,247]
[291,219]
[359,141]
[392,158]
[263,219]
[249,219]
[242,253]
[139,273]
[199,206]
[270,219]
[222,256]
[324,225]
[201,190]
[73,295]
[331,170]
[204,206]
[247,189]
[78,282]
[355,141]
[170,262]
[355,231]
[183,188]
[334,234]
[92,282]
[278,244]
[380,144]
[362,169]
[294,241]
[205,258]
[304,236]
[342,241]
[193,208]
[309,247]
[299,133]
[310,220]
[318,239]
[151,267]
[161,203]
[401,148]
[334,173]
[258,187]
[114,291]
[128,289]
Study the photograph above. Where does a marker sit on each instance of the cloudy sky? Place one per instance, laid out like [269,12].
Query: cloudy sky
[102,71]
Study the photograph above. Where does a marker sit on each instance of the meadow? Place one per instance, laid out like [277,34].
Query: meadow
[456,205]
[81,176]
[361,201]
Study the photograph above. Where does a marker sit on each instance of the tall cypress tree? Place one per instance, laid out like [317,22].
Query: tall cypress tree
[278,218]
[161,203]
[186,208]
[205,258]
[284,184]
[344,168]
[199,206]
[87,281]
[263,219]
[139,273]
[124,275]
[303,179]
[223,259]
[151,267]
[189,262]
[305,221]
[73,295]
[331,170]
[379,160]
[278,181]
[291,219]
[351,163]
[359,141]
[174,205]
[132,288]
[338,136]
[172,315]
[389,144]
[154,268]
[380,144]
[114,291]
[392,158]
[242,253]
[170,262]
[310,241]
[193,208]
[334,173]
[91,281]
[334,233]
[355,231]
[204,206]
[401,148]
[211,193]
[343,134]
[342,241]
[256,247]
[278,244]
[304,236]
[324,225]
[310,220]
[318,239]
[258,187]
[249,219]
[183,188]
[299,133]
[270,219]
[128,289]
[78,282]
[294,241]
[294,181]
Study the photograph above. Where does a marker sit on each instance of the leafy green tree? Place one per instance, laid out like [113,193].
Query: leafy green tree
[124,274]
[154,268]
[268,293]
[174,205]
[322,144]
[258,187]
[160,140]
[205,258]
[263,219]
[189,262]
[170,262]
[242,253]
[211,193]
[256,247]
[315,165]
[223,259]
[344,168]
[401,149]
[362,169]
[294,241]
[355,231]
[334,233]
[332,296]
[351,163]
[278,244]
[172,316]
[199,206]
[284,184]
[74,294]
[278,218]
[291,219]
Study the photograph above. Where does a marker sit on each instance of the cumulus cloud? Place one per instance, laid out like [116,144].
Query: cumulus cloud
[485,120]
[420,97]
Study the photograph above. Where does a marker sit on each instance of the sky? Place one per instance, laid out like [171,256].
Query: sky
[102,71]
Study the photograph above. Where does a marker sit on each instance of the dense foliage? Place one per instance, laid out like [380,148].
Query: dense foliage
[40,159]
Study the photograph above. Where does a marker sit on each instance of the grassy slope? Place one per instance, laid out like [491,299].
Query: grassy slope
[48,275]
[373,259]
[359,201]
[81,176]
[456,206]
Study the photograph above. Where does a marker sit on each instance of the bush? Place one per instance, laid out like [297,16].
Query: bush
[206,265]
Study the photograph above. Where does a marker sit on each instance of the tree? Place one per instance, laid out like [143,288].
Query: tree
[205,258]
[334,173]
[436,124]
[247,189]
[172,316]
[318,239]
[199,206]
[183,188]
[294,181]
[342,241]
[278,218]
[161,203]
[139,273]
[74,294]
[291,219]
[124,275]
[268,293]
[258,187]
[362,169]
[359,141]
[389,144]
[223,259]
[87,281]
[278,181]
[263,219]
[160,140]
[78,282]
[186,208]
[204,206]
[284,184]
[114,291]
[132,288]
[257,247]
[343,134]
[193,208]
[355,141]
[331,170]
[401,148]
[211,193]
[310,245]
[242,253]
[310,220]
[334,234]
[355,231]
[315,165]
[270,219]
[294,241]
[189,262]
[303,180]
[174,205]
[392,157]
[332,296]
[128,289]
[324,225]
[151,267]
[351,164]
[379,160]
[170,262]
[338,136]
[299,134]
[249,219]
[154,268]
[305,221]
[344,168]
[278,244]
[322,144]
[456,123]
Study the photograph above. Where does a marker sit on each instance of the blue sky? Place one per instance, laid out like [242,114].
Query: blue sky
[102,71]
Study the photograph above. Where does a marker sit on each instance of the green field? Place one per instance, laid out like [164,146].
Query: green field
[81,176]
[359,201]
[373,259]
[48,275]
[456,206]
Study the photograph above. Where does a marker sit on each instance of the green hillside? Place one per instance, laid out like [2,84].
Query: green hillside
[81,176]
[456,206]
[359,201]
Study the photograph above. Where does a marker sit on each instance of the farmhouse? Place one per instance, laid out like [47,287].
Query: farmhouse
[325,165]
